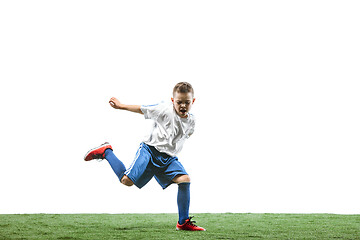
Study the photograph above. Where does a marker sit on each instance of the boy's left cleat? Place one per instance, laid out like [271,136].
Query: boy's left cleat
[98,152]
[189,226]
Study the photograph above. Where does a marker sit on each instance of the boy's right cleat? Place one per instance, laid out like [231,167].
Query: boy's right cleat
[189,226]
[98,152]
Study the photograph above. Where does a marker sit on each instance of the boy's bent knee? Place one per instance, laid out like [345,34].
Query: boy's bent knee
[126,181]
[181,179]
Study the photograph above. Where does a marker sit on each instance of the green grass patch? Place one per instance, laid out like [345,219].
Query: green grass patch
[162,226]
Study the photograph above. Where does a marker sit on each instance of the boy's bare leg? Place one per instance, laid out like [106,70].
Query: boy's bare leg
[181,179]
[126,181]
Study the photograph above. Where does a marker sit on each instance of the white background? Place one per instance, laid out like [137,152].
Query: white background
[277,88]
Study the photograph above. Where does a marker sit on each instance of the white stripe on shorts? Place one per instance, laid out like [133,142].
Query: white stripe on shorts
[133,163]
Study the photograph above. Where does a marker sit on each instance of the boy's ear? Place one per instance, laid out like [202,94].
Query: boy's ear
[193,100]
[172,99]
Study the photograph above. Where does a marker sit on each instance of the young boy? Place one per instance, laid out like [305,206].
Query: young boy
[173,124]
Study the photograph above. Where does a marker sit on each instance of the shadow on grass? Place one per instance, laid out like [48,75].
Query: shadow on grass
[128,228]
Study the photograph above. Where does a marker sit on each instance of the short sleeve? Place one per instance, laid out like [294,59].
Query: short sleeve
[152,111]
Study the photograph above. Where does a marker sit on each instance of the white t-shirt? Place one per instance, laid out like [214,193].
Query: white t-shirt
[169,131]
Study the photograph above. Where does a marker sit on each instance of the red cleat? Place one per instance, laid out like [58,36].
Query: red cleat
[98,152]
[189,226]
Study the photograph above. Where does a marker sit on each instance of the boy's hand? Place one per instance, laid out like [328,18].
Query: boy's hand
[115,103]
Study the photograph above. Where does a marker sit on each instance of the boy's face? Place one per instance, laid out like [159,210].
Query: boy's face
[182,103]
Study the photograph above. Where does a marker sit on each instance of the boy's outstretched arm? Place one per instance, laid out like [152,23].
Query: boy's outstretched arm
[115,103]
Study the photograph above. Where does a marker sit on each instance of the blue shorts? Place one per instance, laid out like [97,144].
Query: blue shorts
[149,162]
